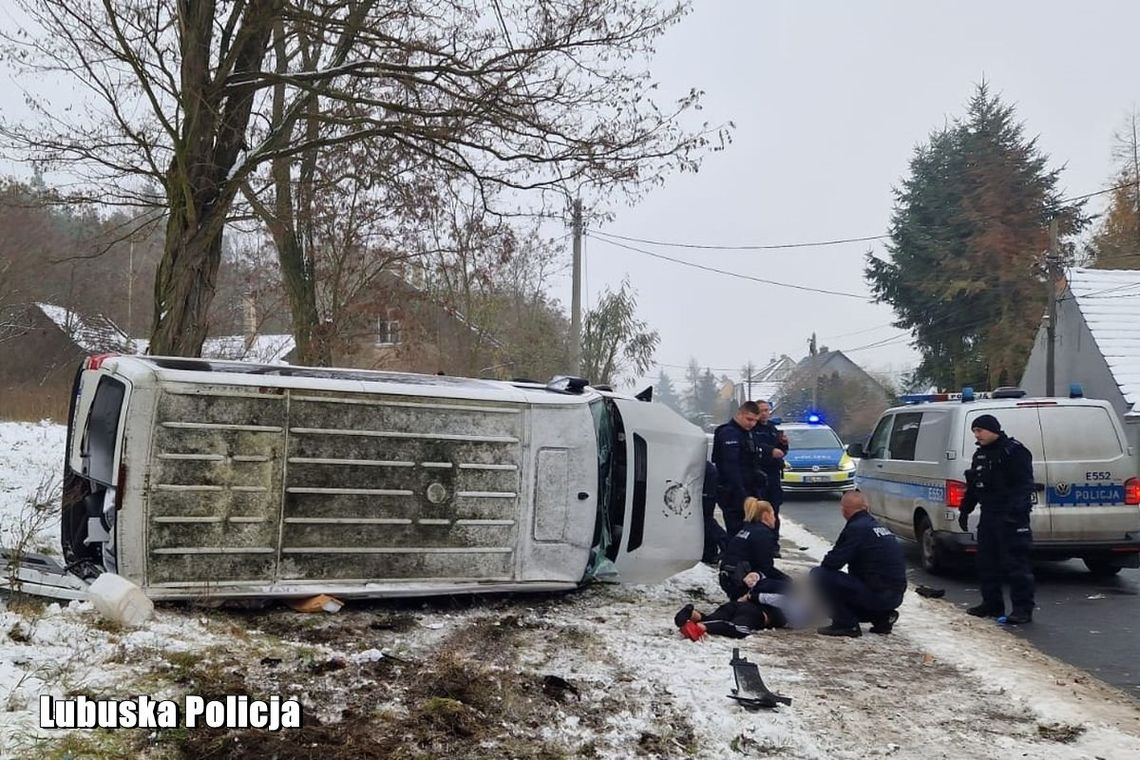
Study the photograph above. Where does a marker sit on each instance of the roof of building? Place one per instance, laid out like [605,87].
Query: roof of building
[264,349]
[1109,301]
[93,334]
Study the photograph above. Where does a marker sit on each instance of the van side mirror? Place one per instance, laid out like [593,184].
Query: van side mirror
[855,451]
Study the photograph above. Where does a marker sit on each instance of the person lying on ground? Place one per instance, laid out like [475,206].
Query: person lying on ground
[753,549]
[734,619]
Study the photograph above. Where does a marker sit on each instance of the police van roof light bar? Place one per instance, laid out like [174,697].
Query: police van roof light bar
[968,394]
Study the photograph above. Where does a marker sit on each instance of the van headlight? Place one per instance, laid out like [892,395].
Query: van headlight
[846,463]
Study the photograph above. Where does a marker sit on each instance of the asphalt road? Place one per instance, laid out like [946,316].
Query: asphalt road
[1091,623]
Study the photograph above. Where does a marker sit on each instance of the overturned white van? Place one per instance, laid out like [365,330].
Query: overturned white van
[207,479]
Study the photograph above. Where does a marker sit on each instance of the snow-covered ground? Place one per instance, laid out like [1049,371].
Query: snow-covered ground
[599,673]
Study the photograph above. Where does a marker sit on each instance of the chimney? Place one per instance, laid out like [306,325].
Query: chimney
[249,313]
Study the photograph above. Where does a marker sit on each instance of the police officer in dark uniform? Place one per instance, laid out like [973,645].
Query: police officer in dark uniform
[873,588]
[737,465]
[772,445]
[752,550]
[715,537]
[1000,479]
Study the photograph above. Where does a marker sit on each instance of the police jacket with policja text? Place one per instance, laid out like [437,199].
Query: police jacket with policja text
[871,554]
[736,458]
[754,544]
[1000,477]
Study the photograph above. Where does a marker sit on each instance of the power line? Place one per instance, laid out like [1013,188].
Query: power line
[732,274]
[817,243]
[750,247]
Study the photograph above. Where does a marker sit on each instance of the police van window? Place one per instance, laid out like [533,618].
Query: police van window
[1079,433]
[932,437]
[102,432]
[877,446]
[904,435]
[1021,423]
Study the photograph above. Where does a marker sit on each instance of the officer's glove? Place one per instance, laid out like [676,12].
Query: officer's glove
[964,517]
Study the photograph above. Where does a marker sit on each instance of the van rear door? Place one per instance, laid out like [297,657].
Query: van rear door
[663,526]
[1087,467]
[1023,423]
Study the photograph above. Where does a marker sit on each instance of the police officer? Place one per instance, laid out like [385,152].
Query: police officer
[752,550]
[873,588]
[737,465]
[772,445]
[715,537]
[1000,479]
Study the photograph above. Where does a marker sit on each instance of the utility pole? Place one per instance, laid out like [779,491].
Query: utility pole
[130,290]
[1051,261]
[576,293]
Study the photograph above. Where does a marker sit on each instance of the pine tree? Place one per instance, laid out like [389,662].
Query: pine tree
[967,240]
[666,394]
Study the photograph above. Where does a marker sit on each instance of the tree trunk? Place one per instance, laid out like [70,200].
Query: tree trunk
[185,286]
[314,346]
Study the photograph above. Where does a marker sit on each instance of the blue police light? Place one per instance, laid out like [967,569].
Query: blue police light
[814,419]
[967,394]
[1076,391]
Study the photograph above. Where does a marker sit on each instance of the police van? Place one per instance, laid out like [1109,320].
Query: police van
[218,479]
[815,461]
[1086,501]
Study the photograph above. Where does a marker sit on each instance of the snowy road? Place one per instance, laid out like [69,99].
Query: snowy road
[1092,623]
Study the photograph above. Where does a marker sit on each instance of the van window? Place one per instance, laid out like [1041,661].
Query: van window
[932,437]
[102,431]
[877,446]
[904,435]
[1079,433]
[1020,422]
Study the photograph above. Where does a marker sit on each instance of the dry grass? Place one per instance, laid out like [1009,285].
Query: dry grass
[33,403]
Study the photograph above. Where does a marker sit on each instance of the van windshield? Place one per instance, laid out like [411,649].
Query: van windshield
[611,488]
[813,438]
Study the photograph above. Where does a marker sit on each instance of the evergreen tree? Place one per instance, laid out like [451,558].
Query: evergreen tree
[703,405]
[967,240]
[665,393]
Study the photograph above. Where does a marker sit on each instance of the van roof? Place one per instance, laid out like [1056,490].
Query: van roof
[1000,403]
[210,371]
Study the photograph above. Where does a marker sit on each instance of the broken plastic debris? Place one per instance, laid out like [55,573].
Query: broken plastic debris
[318,603]
[368,655]
[750,691]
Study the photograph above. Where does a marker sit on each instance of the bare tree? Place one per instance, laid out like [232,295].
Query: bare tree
[526,95]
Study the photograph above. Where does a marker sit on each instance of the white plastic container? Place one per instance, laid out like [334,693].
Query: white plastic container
[119,600]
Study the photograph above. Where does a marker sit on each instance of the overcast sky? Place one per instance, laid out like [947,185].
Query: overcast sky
[829,101]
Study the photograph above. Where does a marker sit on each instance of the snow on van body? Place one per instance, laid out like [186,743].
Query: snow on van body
[247,480]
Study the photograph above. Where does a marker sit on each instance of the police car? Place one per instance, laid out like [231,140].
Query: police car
[815,460]
[1087,493]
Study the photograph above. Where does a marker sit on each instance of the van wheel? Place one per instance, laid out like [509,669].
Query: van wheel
[1101,568]
[933,558]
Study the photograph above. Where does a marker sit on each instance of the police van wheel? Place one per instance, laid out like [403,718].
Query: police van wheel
[933,558]
[1101,568]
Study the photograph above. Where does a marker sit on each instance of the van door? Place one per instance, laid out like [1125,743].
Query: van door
[1087,465]
[1023,423]
[94,469]
[871,475]
[663,526]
